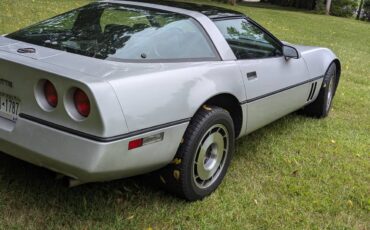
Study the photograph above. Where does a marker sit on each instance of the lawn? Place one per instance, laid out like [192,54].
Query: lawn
[297,173]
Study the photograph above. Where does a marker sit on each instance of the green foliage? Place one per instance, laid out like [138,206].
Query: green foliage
[320,6]
[297,173]
[366,10]
[228,1]
[341,8]
[306,4]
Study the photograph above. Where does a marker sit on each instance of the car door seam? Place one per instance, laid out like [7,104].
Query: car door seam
[280,90]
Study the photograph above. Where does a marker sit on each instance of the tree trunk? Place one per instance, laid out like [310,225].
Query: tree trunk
[359,10]
[328,6]
[232,2]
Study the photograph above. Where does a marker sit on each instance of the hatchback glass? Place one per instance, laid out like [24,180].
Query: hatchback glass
[122,33]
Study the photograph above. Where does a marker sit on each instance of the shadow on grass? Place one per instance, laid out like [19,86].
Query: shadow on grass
[34,194]
[27,186]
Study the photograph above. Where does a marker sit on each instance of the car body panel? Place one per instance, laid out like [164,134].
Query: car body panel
[280,74]
[11,46]
[193,90]
[136,100]
[173,91]
[317,59]
[263,85]
[108,119]
[84,159]
[271,108]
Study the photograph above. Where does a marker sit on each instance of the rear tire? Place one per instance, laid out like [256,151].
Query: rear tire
[203,157]
[320,108]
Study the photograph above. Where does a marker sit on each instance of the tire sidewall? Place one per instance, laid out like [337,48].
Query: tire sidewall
[329,75]
[218,118]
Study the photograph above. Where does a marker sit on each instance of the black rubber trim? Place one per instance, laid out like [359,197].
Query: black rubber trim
[101,139]
[309,95]
[314,91]
[280,90]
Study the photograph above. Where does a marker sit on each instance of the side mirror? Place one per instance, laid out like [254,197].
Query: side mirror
[290,52]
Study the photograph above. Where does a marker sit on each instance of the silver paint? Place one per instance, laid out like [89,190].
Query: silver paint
[211,156]
[128,97]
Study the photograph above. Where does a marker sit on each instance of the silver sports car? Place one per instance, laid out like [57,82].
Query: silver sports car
[121,88]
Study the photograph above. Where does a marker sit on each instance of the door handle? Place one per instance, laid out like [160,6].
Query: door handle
[252,75]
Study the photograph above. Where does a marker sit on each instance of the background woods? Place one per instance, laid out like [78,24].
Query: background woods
[343,8]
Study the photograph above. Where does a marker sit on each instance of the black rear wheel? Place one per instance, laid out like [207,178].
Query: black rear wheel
[203,157]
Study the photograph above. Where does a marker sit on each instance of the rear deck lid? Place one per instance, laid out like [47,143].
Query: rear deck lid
[26,49]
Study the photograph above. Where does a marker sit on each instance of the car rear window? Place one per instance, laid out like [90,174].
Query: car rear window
[122,33]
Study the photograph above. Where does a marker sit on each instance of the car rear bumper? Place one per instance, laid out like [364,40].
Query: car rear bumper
[84,159]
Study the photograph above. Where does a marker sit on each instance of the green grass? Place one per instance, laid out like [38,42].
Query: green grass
[297,173]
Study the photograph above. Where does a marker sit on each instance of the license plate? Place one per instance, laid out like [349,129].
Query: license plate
[9,107]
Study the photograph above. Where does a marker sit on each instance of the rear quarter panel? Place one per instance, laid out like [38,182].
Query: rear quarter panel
[154,94]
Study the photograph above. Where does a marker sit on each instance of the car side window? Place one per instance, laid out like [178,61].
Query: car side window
[247,40]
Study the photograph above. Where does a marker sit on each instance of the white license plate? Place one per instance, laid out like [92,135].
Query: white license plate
[9,107]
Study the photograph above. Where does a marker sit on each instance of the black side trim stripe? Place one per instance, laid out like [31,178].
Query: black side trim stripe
[101,139]
[281,90]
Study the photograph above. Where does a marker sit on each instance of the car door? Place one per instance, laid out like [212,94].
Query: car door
[275,86]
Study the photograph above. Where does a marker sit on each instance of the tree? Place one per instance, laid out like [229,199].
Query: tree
[328,6]
[360,10]
[232,2]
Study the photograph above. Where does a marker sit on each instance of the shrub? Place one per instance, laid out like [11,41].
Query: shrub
[306,4]
[228,1]
[366,10]
[342,8]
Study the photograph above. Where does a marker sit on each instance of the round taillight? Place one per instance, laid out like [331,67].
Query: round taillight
[82,102]
[51,94]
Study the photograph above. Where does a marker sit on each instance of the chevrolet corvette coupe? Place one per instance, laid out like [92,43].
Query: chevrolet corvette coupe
[121,88]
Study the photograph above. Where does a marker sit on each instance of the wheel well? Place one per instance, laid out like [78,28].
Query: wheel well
[232,105]
[339,69]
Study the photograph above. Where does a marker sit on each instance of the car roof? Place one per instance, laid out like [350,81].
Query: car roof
[213,12]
